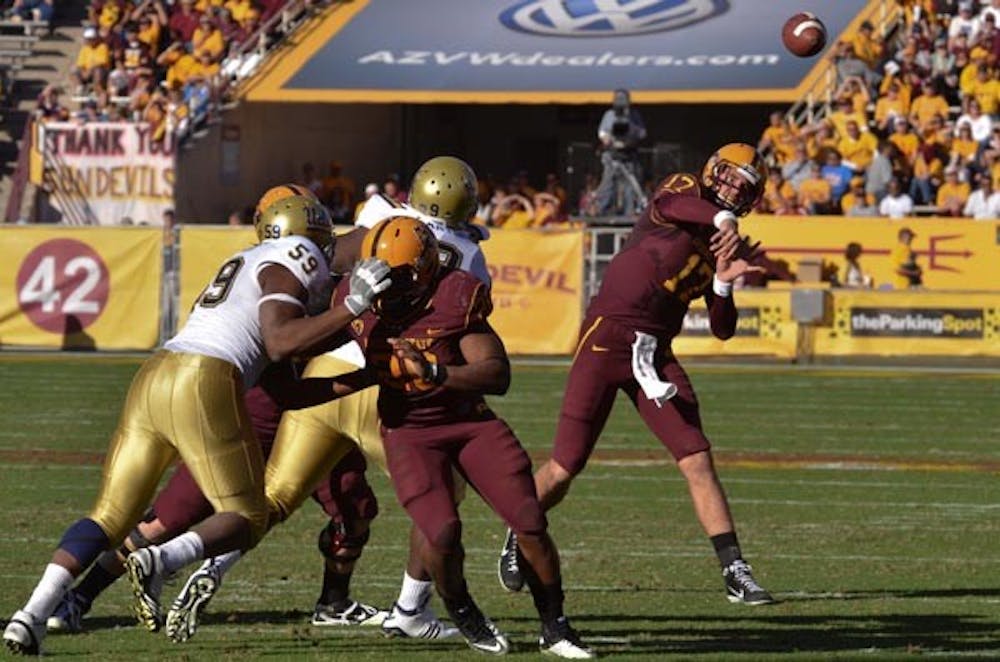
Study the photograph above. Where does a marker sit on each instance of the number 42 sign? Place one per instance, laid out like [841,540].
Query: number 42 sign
[60,279]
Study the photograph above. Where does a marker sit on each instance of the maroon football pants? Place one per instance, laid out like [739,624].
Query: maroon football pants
[601,367]
[488,456]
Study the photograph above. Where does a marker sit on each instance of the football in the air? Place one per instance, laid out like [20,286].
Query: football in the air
[804,34]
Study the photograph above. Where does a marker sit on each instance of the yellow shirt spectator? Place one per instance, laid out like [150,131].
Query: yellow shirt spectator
[150,35]
[208,40]
[773,193]
[901,256]
[905,91]
[783,139]
[886,107]
[111,13]
[239,9]
[865,46]
[965,148]
[927,106]
[859,151]
[93,55]
[987,93]
[181,70]
[815,190]
[967,78]
[907,143]
[953,194]
[844,114]
[851,199]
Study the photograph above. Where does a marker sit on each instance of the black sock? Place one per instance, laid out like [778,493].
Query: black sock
[727,548]
[461,600]
[548,601]
[93,584]
[336,589]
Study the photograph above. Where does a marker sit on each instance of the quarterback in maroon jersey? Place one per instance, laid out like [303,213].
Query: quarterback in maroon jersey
[685,245]
[428,344]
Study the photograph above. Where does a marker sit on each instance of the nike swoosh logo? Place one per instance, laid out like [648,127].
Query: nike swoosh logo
[738,594]
[434,332]
[599,348]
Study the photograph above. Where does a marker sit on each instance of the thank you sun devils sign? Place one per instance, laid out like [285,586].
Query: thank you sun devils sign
[104,173]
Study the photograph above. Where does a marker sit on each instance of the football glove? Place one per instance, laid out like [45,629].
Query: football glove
[369,278]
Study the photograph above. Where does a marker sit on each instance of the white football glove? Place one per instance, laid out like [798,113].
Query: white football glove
[725,215]
[369,278]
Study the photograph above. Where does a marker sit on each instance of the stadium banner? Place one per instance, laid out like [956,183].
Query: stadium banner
[912,324]
[955,254]
[537,289]
[765,328]
[552,51]
[80,288]
[203,249]
[107,173]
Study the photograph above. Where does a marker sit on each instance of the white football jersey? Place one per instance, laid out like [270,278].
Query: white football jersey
[225,323]
[459,250]
[459,247]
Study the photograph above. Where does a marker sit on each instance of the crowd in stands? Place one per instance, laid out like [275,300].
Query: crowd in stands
[165,62]
[913,126]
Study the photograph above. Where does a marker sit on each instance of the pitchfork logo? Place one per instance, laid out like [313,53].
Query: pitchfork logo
[607,18]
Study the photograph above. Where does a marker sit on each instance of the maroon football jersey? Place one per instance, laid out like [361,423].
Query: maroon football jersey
[459,305]
[665,263]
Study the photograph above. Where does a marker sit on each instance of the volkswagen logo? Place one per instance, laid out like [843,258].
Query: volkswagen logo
[607,18]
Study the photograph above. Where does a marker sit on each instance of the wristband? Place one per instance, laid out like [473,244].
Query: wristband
[436,373]
[721,288]
[723,216]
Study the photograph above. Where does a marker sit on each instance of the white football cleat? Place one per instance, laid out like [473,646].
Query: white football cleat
[23,634]
[418,624]
[561,640]
[182,619]
[356,613]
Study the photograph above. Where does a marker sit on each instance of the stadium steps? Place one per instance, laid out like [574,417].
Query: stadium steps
[52,58]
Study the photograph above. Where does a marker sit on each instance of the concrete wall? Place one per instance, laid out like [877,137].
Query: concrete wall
[371,141]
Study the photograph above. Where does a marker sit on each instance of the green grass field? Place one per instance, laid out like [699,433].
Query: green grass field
[867,500]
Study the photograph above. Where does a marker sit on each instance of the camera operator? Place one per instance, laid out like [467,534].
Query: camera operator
[620,132]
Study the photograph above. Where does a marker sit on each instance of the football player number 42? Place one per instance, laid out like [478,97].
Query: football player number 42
[40,286]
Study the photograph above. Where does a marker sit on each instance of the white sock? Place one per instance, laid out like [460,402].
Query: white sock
[413,594]
[182,550]
[226,561]
[46,596]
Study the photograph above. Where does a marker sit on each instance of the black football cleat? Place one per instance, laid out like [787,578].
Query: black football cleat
[508,565]
[741,587]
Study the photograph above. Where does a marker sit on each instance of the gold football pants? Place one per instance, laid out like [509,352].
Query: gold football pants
[310,442]
[187,405]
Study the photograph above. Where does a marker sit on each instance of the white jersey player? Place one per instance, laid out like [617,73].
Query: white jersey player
[185,402]
[225,322]
[459,243]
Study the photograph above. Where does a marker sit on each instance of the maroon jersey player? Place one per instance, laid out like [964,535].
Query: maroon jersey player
[428,344]
[685,246]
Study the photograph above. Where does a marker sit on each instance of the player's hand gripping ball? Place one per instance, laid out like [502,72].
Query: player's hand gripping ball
[804,34]
[407,365]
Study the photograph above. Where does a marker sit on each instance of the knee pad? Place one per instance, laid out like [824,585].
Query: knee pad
[448,536]
[336,544]
[84,540]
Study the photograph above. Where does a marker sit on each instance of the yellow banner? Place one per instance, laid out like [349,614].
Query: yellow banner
[912,323]
[80,288]
[203,249]
[537,280]
[765,328]
[955,254]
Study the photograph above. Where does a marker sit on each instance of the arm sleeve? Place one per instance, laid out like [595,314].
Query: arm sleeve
[672,207]
[722,315]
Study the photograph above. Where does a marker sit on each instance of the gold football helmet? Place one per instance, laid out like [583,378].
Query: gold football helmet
[734,177]
[445,187]
[291,209]
[411,251]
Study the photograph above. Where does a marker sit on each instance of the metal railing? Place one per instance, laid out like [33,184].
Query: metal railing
[246,58]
